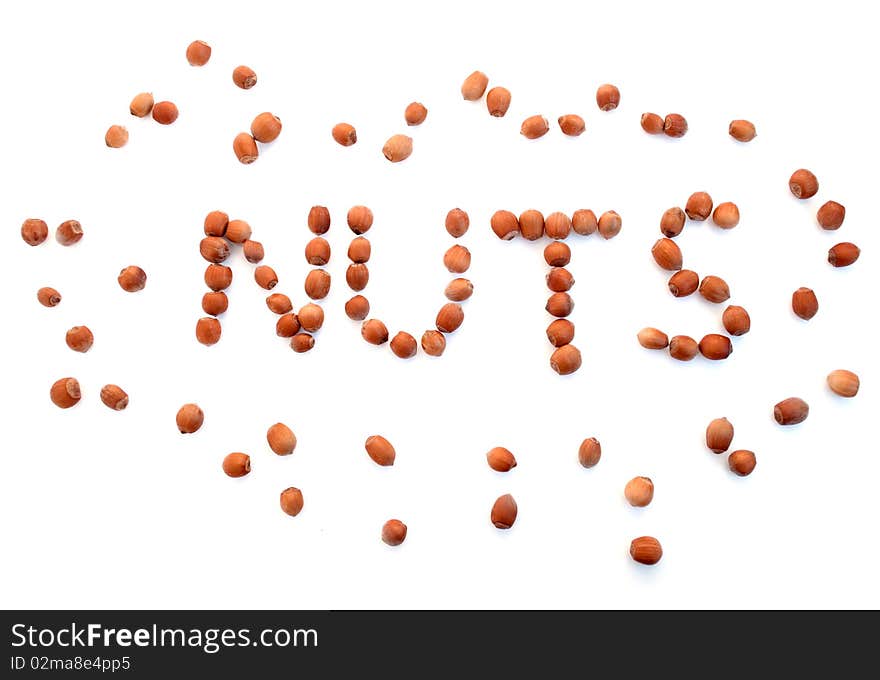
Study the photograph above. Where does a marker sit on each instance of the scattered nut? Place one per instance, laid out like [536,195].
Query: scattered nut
[357,308]
[281,439]
[742,130]
[244,77]
[215,303]
[741,462]
[726,215]
[843,254]
[736,320]
[380,450]
[114,397]
[165,113]
[565,360]
[404,345]
[504,512]
[189,418]
[374,332]
[667,254]
[450,317]
[672,222]
[302,342]
[457,222]
[287,325]
[714,289]
[278,303]
[398,148]
[498,101]
[65,392]
[534,127]
[291,501]
[265,277]
[683,283]
[344,134]
[253,251]
[215,223]
[132,279]
[831,215]
[474,86]
[266,127]
[415,114]
[652,123]
[433,343]
[715,346]
[48,297]
[607,97]
[590,452]
[572,125]
[639,491]
[804,303]
[719,434]
[646,550]
[237,464]
[699,206]
[803,184]
[198,52]
[69,232]
[116,136]
[34,231]
[457,259]
[393,532]
[843,383]
[141,105]
[683,347]
[245,148]
[501,459]
[317,284]
[560,332]
[360,219]
[208,330]
[80,339]
[459,290]
[238,231]
[791,411]
[674,125]
[652,338]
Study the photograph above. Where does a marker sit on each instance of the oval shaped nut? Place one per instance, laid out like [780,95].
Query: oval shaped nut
[344,134]
[474,86]
[719,435]
[609,224]
[318,251]
[607,97]
[736,320]
[531,225]
[287,325]
[501,459]
[359,250]
[534,127]
[560,332]
[48,297]
[843,383]
[244,77]
[667,254]
[590,452]
[791,411]
[165,113]
[450,317]
[843,254]
[557,226]
[559,304]
[742,130]
[245,148]
[214,249]
[238,231]
[498,101]
[302,342]
[652,338]
[318,220]
[393,532]
[804,303]
[726,215]
[572,125]
[683,347]
[639,492]
[317,284]
[672,222]
[198,52]
[291,501]
[208,330]
[459,290]
[374,331]
[715,346]
[714,289]
[803,184]
[80,338]
[457,259]
[504,512]
[741,462]
[565,360]
[683,283]
[141,105]
[65,392]
[675,125]
[237,464]
[559,280]
[266,127]
[398,148]
[380,450]
[265,277]
[557,254]
[699,206]
[415,113]
[652,123]
[281,439]
[830,216]
[584,222]
[360,219]
[433,343]
[457,222]
[216,222]
[116,136]
[114,397]
[132,279]
[357,308]
[646,550]
[504,224]
[218,277]
[189,418]
[310,318]
[357,276]
[69,232]
[404,345]
[34,231]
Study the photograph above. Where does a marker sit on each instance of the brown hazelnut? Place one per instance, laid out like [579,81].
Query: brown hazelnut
[571,125]
[398,148]
[319,219]
[415,114]
[357,308]
[742,130]
[560,332]
[344,134]
[557,254]
[791,411]
[310,317]
[843,254]
[726,215]
[803,184]
[683,283]
[302,342]
[253,251]
[534,127]
[457,222]
[843,383]
[380,450]
[198,52]
[265,277]
[450,317]
[584,222]
[590,452]
[360,219]
[359,250]
[652,338]
[317,284]
[393,532]
[357,276]
[141,105]
[48,297]
[804,303]
[208,330]
[741,462]
[278,303]
[244,77]
[831,215]
[116,136]
[318,251]
[667,254]
[559,280]
[531,225]
[609,224]
[505,225]
[65,392]
[114,397]
[652,123]
[559,304]
[457,259]
[215,223]
[501,459]
[215,303]
[433,343]
[715,346]
[557,225]
[719,434]
[565,360]
[291,501]
[504,512]
[34,231]
[714,289]
[736,320]
[639,491]
[287,325]
[374,332]
[646,550]
[498,101]
[214,249]
[281,439]
[218,277]
[404,345]
[69,232]
[245,148]
[132,279]
[266,127]
[237,464]
[165,113]
[80,339]
[672,222]
[675,125]
[699,206]
[189,418]
[683,348]
[607,97]
[238,231]
[474,86]
[459,290]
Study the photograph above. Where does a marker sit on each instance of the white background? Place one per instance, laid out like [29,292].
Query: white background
[102,509]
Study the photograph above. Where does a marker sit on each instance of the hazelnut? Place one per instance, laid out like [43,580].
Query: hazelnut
[791,411]
[607,97]
[531,225]
[560,332]
[374,332]
[672,222]
[80,339]
[652,123]
[245,148]
[189,418]
[141,105]
[683,347]
[584,222]
[238,231]
[292,501]
[393,532]
[742,130]
[65,392]
[675,125]
[287,325]
[281,439]
[803,184]
[667,254]
[265,277]
[504,512]
[566,359]
[132,279]
[253,251]
[699,206]
[683,283]
[415,114]
[215,303]
[310,317]
[319,219]
[116,136]
[318,251]
[804,303]
[198,52]
[459,290]
[114,397]
[302,342]
[714,289]
[831,215]
[398,148]
[34,231]
[278,303]
[433,343]
[380,450]
[218,277]
[843,254]
[590,452]
[165,113]
[559,304]
[498,101]
[450,317]
[48,297]
[559,280]
[726,215]
[736,320]
[69,232]
[208,330]
[609,224]
[719,434]
[237,464]
[457,259]
[501,459]
[317,284]
[557,254]
[557,225]
[571,125]
[344,134]
[843,383]
[505,225]
[715,346]
[646,550]
[357,276]
[741,462]
[266,127]
[359,250]
[360,219]
[534,127]
[357,308]
[639,491]
[244,77]
[457,222]
[652,338]
[214,249]
[404,345]
[215,223]
[474,86]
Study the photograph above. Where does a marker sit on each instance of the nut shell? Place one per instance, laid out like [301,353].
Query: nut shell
[672,222]
[198,53]
[132,279]
[843,254]
[652,338]
[803,184]
[244,77]
[714,289]
[450,317]
[675,125]
[531,225]
[498,101]
[572,125]
[804,303]
[218,277]
[474,86]
[374,331]
[683,283]
[281,439]
[557,254]
[719,435]
[557,225]
[357,308]
[34,231]
[741,462]
[459,290]
[317,284]
[565,360]
[116,136]
[302,342]
[560,332]
[253,251]
[683,347]
[141,105]
[310,317]
[398,148]
[646,550]
[699,206]
[357,276]
[504,512]
[590,452]
[65,392]
[609,224]
[404,345]
[69,232]
[190,418]
[165,113]
[318,219]
[380,450]
[415,113]
[457,259]
[266,127]
[318,251]
[559,280]
[359,250]
[667,254]
[559,304]
[500,459]
[245,148]
[360,219]
[584,222]
[48,297]
[726,215]
[607,97]
[791,411]
[534,127]
[736,320]
[843,383]
[215,223]
[80,339]
[433,343]
[457,222]
[831,215]
[505,225]
[652,123]
[237,464]
[214,249]
[291,501]
[639,491]
[114,397]
[742,130]
[393,532]
[344,134]
[265,277]
[715,346]
[208,330]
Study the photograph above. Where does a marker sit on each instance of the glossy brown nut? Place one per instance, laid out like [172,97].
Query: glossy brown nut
[609,224]
[639,492]
[141,104]
[741,462]
[498,101]
[646,550]
[214,249]
[843,383]
[253,251]
[265,277]
[165,113]
[114,397]
[457,259]
[266,127]
[310,317]
[278,303]
[357,276]
[281,439]
[244,77]
[652,123]
[804,303]
[344,134]
[505,225]
[675,125]
[132,279]
[557,225]
[302,342]
[565,360]
[719,435]
[557,254]
[215,223]
[742,130]
[791,411]
[237,464]
[398,148]
[726,215]
[803,184]
[79,339]
[571,124]
[189,418]
[653,338]
[198,53]
[65,392]
[683,283]
[317,284]
[831,215]
[672,222]
[531,225]
[245,148]
[843,254]
[238,231]
[291,501]
[459,290]
[715,346]
[584,222]
[357,308]
[374,331]
[34,231]
[69,232]
[380,450]
[736,320]
[415,113]
[404,345]
[208,330]
[287,325]
[474,86]
[48,297]
[318,251]
[433,343]
[359,250]
[560,332]
[559,304]
[559,280]
[393,532]
[360,219]
[504,512]
[218,277]
[683,348]
[318,219]
[534,127]
[457,222]
[116,136]
[699,206]
[607,97]
[667,254]
[450,317]
[714,289]
[590,452]
[501,459]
